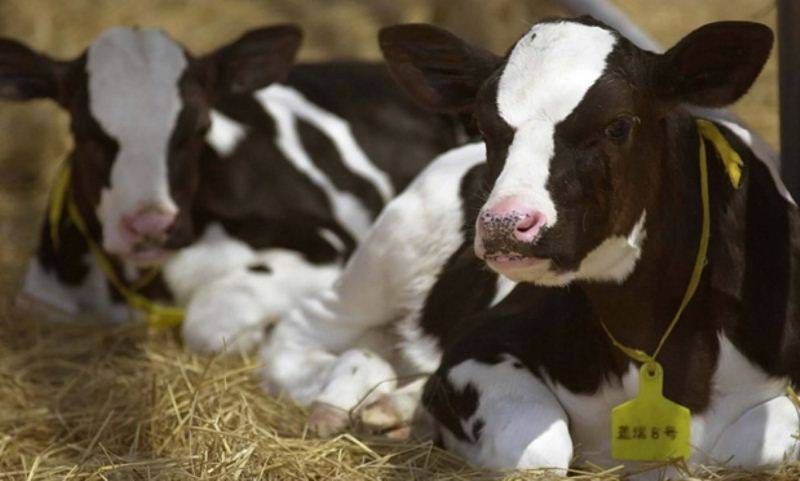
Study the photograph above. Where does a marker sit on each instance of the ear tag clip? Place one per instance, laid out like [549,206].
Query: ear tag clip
[650,427]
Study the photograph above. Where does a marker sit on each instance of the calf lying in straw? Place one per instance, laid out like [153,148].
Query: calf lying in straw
[228,183]
[642,237]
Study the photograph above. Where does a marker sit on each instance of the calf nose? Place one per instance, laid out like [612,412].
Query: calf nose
[528,226]
[511,218]
[150,222]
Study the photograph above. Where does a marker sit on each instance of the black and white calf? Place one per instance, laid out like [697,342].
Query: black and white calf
[249,181]
[591,196]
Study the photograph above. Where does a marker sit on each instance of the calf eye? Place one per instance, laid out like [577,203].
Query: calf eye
[620,129]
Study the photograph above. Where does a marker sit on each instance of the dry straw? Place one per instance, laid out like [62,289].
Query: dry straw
[93,403]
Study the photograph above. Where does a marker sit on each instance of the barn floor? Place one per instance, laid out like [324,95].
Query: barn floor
[92,402]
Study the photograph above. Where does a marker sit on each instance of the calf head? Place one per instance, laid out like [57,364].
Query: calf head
[140,107]
[575,120]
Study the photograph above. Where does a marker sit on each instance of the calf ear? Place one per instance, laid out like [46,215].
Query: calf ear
[25,74]
[714,65]
[438,69]
[257,59]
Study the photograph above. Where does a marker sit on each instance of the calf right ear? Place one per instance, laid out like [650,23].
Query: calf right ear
[255,60]
[714,65]
[25,74]
[438,69]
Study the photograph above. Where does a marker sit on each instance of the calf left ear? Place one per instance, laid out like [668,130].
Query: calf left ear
[257,59]
[439,70]
[25,74]
[714,65]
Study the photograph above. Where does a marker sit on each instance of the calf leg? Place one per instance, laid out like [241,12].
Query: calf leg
[763,436]
[357,378]
[499,415]
[232,291]
[335,384]
[394,409]
[388,276]
[232,312]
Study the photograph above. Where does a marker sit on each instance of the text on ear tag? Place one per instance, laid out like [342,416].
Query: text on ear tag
[650,427]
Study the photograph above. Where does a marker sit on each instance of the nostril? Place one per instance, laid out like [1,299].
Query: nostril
[529,226]
[530,222]
[526,223]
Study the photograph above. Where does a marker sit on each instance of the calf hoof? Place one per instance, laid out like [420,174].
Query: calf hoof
[399,434]
[423,427]
[325,420]
[381,415]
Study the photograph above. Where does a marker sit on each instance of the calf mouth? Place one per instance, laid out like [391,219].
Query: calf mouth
[148,253]
[518,268]
[519,261]
[502,261]
[501,248]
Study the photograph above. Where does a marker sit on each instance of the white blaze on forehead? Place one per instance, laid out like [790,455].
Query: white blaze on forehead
[134,95]
[550,69]
[547,75]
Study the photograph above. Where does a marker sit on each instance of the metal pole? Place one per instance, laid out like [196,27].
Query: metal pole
[612,16]
[789,64]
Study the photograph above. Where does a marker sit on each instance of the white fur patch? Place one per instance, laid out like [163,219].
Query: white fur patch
[349,210]
[232,312]
[337,130]
[93,295]
[419,349]
[749,405]
[134,95]
[524,426]
[225,133]
[547,75]
[227,304]
[590,414]
[504,288]
[213,256]
[357,378]
[331,238]
[614,259]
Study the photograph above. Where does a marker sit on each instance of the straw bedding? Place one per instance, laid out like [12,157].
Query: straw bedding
[124,403]
[84,401]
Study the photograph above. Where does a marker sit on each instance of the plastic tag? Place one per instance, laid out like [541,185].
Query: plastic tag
[650,427]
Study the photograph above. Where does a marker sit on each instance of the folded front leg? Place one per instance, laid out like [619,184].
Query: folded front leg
[764,436]
[231,313]
[356,379]
[500,415]
[389,275]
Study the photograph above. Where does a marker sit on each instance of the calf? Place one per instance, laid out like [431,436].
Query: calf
[247,181]
[596,201]
[591,196]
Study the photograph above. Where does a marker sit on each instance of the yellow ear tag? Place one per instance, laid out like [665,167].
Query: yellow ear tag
[650,427]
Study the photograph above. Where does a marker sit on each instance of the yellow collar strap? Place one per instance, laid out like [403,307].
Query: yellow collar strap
[157,315]
[733,166]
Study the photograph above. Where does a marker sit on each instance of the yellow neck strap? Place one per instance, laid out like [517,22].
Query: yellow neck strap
[60,201]
[733,166]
